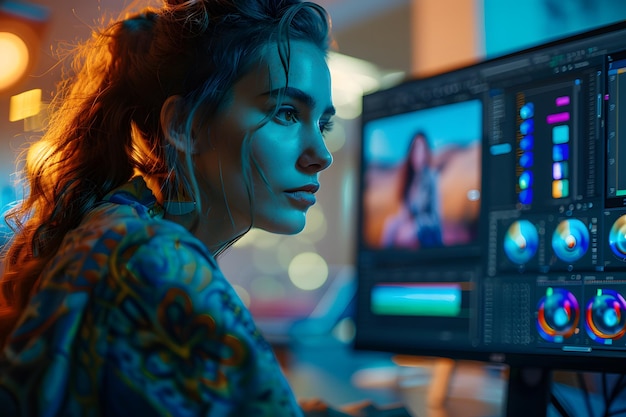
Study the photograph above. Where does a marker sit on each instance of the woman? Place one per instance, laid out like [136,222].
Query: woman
[417,223]
[183,127]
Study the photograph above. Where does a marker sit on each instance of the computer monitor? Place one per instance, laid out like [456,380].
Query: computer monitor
[492,210]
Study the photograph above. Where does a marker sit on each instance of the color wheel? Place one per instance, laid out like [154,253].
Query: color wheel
[558,315]
[521,241]
[605,319]
[570,240]
[617,237]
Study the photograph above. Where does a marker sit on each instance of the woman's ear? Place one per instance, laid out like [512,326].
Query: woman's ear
[173,117]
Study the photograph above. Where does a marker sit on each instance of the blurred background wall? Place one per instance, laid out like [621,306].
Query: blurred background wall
[379,43]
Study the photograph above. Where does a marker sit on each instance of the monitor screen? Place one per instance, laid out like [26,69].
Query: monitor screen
[492,209]
[422,178]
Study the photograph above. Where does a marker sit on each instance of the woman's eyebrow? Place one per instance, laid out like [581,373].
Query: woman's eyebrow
[299,95]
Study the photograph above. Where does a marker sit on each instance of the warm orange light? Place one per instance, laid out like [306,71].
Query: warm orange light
[14,58]
[25,105]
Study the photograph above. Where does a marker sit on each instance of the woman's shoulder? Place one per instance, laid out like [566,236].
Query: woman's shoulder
[155,248]
[116,240]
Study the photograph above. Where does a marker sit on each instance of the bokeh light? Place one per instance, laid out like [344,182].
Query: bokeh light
[14,59]
[336,138]
[290,247]
[345,330]
[243,294]
[308,271]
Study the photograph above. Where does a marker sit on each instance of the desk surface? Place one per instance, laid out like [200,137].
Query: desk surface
[329,370]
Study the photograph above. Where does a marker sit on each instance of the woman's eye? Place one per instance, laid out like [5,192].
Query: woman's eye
[326,126]
[287,115]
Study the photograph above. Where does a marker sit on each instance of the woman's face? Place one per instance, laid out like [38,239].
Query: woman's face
[420,153]
[289,150]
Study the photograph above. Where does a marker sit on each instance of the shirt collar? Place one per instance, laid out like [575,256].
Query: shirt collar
[136,194]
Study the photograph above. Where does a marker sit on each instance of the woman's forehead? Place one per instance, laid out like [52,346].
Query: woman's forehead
[308,71]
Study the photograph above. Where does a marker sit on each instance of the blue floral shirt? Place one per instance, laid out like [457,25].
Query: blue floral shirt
[134,318]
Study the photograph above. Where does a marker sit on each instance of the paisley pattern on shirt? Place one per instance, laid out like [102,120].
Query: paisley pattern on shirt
[134,317]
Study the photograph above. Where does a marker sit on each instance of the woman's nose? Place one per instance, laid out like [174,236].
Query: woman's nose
[316,157]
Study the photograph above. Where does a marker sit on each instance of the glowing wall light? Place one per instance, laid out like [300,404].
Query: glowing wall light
[352,78]
[23,105]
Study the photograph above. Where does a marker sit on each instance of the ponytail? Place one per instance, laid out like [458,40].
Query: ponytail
[83,155]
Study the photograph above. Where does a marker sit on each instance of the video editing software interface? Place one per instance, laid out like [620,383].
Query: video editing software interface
[492,219]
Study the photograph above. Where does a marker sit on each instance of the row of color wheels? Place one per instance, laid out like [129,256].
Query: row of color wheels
[559,314]
[570,240]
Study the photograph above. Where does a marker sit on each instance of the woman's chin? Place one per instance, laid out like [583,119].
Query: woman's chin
[287,225]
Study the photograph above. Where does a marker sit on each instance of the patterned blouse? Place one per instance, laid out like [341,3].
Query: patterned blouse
[134,318]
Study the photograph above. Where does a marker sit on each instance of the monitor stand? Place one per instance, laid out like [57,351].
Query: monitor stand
[528,392]
[439,387]
[528,389]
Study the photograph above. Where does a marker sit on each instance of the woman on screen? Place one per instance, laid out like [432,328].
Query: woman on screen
[417,223]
